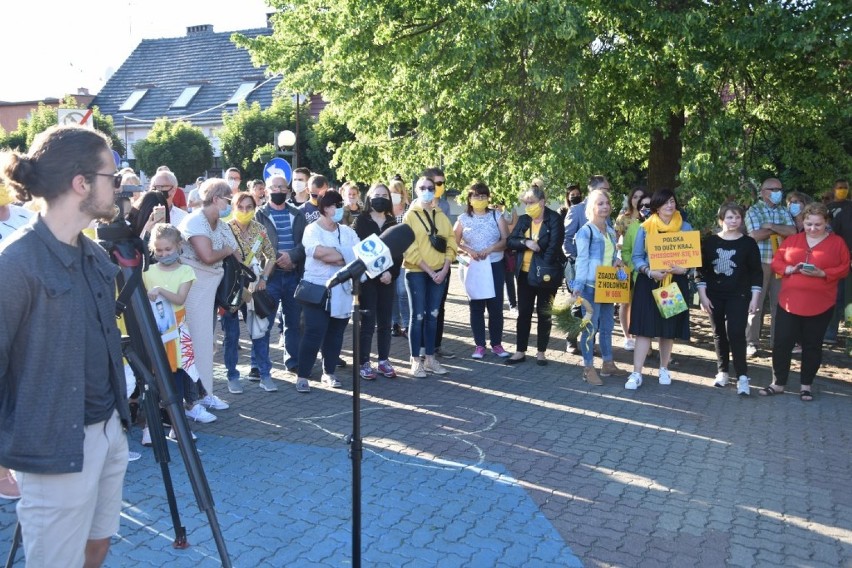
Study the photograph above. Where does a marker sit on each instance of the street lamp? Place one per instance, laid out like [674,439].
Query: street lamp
[287,139]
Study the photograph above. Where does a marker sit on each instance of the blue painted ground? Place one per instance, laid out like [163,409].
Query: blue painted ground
[415,512]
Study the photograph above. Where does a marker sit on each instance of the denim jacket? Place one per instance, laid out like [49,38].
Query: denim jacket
[42,384]
[590,252]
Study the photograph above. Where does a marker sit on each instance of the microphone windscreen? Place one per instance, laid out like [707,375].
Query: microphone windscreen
[398,238]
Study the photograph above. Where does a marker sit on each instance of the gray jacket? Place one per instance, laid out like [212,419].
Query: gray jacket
[297,223]
[42,384]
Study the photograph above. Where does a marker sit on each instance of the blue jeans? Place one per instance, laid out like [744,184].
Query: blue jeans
[401,313]
[323,333]
[259,348]
[424,301]
[602,323]
[282,286]
[495,310]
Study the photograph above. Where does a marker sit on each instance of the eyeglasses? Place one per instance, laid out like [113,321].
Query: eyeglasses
[163,187]
[116,178]
[439,183]
[774,188]
[427,188]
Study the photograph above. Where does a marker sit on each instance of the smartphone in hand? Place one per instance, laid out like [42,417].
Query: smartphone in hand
[807,267]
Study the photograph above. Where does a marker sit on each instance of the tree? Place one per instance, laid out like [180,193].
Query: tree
[45,116]
[178,145]
[706,95]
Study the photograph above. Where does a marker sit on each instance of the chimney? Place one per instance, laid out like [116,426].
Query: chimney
[197,30]
[83,91]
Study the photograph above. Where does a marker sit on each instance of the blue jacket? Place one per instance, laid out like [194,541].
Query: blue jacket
[42,384]
[575,219]
[590,252]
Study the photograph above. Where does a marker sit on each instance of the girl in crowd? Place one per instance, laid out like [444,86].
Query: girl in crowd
[810,265]
[328,246]
[401,315]
[352,201]
[170,280]
[622,224]
[255,247]
[646,321]
[729,282]
[596,246]
[207,241]
[377,294]
[427,264]
[481,235]
[539,233]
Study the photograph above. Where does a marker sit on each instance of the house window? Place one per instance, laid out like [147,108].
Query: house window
[241,93]
[186,96]
[132,100]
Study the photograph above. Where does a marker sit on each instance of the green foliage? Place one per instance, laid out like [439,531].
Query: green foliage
[43,117]
[178,145]
[248,137]
[507,90]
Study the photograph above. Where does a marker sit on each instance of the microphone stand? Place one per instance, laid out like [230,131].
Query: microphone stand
[356,448]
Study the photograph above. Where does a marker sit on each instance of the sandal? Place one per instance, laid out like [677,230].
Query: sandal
[806,396]
[769,391]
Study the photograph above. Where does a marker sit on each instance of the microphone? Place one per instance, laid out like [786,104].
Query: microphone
[375,254]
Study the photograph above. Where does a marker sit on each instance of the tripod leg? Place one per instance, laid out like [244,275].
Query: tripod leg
[151,406]
[17,540]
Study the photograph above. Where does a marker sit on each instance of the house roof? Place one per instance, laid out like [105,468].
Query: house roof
[164,68]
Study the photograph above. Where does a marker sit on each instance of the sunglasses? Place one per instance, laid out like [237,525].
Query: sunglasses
[116,178]
[439,183]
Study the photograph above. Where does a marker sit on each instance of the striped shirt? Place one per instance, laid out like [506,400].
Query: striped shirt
[284,228]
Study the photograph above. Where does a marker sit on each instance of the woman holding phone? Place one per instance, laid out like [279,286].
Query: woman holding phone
[810,264]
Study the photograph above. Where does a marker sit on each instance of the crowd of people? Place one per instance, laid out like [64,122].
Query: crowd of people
[789,259]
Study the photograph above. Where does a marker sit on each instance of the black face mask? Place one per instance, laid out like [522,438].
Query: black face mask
[380,204]
[278,198]
[645,212]
[575,199]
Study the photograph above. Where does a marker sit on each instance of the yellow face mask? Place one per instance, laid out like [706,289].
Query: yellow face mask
[439,189]
[841,194]
[534,210]
[479,205]
[244,217]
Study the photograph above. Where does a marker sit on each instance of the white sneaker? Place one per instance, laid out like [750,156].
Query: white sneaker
[331,381]
[629,344]
[417,370]
[742,386]
[146,437]
[721,380]
[634,381]
[665,378]
[200,414]
[302,385]
[172,435]
[751,350]
[214,402]
[133,456]
[432,366]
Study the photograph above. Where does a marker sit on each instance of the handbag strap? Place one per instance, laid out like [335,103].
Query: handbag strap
[432,229]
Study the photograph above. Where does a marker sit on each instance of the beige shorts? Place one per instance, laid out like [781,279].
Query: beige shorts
[59,513]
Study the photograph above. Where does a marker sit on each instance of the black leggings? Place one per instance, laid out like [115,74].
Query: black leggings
[541,299]
[808,331]
[728,320]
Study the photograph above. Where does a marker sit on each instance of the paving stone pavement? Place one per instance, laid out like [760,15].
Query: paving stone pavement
[493,465]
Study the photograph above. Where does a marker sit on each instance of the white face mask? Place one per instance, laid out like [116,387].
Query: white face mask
[396,198]
[233,184]
[299,186]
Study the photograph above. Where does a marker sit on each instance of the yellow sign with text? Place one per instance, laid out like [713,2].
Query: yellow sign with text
[609,289]
[674,249]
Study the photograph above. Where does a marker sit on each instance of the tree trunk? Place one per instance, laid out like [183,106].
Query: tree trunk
[666,151]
